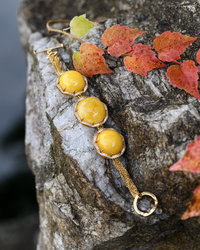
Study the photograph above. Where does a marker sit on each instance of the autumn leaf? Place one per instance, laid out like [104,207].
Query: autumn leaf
[190,160]
[171,45]
[198,56]
[142,60]
[185,76]
[194,208]
[89,61]
[119,39]
[80,26]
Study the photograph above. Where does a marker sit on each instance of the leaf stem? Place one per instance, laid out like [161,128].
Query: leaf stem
[175,61]
[51,22]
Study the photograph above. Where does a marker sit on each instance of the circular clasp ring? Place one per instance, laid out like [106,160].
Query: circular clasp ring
[139,196]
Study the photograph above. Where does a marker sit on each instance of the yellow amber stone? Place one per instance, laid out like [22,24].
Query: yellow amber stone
[110,142]
[71,81]
[91,110]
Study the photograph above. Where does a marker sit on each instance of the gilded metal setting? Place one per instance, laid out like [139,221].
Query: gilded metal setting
[103,154]
[86,123]
[69,93]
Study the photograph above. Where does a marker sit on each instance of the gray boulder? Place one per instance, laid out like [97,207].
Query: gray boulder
[83,201]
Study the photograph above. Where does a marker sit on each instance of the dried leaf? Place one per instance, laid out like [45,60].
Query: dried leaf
[171,45]
[89,61]
[190,160]
[142,60]
[119,39]
[198,56]
[185,76]
[194,208]
[80,26]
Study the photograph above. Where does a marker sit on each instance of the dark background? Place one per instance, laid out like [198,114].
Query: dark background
[18,207]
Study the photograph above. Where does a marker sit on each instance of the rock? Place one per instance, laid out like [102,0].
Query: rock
[83,202]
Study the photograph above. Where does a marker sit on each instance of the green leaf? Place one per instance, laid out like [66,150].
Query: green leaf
[80,26]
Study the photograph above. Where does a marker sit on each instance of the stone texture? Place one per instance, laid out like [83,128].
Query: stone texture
[83,201]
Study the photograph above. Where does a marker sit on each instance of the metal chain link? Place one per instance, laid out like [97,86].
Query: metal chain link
[57,64]
[125,177]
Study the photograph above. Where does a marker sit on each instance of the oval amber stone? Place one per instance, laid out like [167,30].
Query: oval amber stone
[71,81]
[109,142]
[90,110]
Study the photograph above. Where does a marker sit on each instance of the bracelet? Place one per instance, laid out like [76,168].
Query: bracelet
[91,112]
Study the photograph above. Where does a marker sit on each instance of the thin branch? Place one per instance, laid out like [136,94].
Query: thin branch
[51,22]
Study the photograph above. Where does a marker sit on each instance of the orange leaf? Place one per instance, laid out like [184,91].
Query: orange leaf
[119,39]
[142,60]
[89,61]
[198,56]
[190,160]
[185,76]
[194,208]
[171,45]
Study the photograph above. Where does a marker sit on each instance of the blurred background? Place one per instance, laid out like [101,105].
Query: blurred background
[18,206]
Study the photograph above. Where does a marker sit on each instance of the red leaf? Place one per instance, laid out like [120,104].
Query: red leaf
[119,39]
[190,160]
[198,56]
[171,45]
[89,61]
[194,208]
[142,60]
[185,76]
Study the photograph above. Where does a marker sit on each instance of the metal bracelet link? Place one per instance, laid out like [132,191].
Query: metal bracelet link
[139,196]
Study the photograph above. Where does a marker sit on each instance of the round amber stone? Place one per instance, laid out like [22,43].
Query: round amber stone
[90,110]
[109,142]
[71,81]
